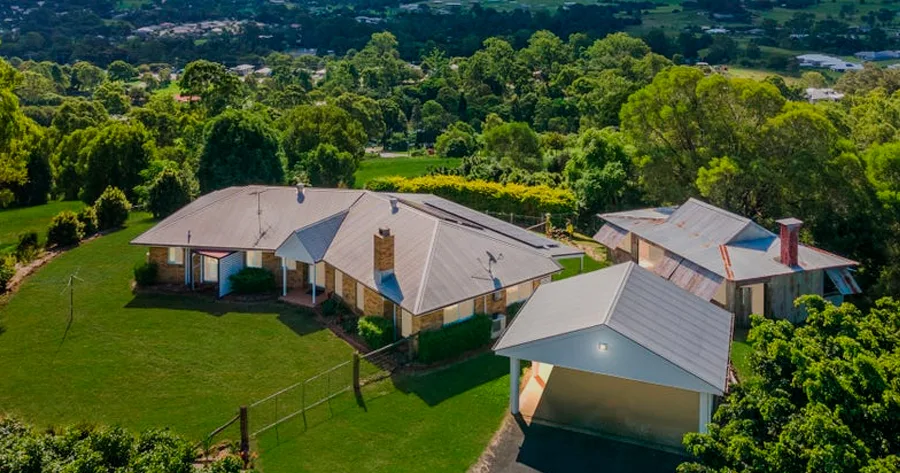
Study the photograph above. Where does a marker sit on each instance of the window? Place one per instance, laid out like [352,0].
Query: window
[176,256]
[360,296]
[210,269]
[512,294]
[466,309]
[339,283]
[525,290]
[254,259]
[451,314]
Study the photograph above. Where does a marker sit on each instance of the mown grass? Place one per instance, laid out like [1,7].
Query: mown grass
[406,167]
[14,222]
[740,353]
[572,267]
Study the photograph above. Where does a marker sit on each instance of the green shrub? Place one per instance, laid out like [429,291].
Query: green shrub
[455,339]
[146,274]
[112,208]
[168,193]
[252,281]
[377,331]
[513,309]
[88,217]
[65,229]
[28,246]
[335,306]
[7,270]
[350,323]
[483,195]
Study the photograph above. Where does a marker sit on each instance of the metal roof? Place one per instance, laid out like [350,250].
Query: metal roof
[666,320]
[439,258]
[718,241]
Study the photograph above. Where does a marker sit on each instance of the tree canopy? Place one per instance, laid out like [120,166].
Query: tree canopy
[239,148]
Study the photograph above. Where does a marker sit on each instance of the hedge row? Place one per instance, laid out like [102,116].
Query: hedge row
[482,195]
[455,339]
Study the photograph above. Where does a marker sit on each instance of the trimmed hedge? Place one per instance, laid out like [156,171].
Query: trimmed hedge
[65,229]
[376,331]
[455,339]
[252,281]
[483,195]
[146,274]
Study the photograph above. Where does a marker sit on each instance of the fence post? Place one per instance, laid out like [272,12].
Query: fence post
[245,434]
[356,387]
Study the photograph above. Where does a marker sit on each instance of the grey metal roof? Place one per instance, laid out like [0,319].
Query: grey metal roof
[674,324]
[719,241]
[439,258]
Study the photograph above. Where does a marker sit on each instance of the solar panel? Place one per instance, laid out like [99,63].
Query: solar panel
[497,225]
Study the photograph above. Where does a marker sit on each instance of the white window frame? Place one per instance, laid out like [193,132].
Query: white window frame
[253,259]
[512,294]
[361,297]
[178,254]
[338,283]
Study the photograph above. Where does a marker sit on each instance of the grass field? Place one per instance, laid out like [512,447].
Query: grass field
[188,363]
[405,167]
[14,222]
[572,267]
[740,353]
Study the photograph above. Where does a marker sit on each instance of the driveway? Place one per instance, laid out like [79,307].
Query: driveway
[520,448]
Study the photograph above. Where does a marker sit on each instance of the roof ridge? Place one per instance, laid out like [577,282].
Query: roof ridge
[618,293]
[426,269]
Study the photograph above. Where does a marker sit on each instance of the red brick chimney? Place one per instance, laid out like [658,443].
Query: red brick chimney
[384,252]
[790,239]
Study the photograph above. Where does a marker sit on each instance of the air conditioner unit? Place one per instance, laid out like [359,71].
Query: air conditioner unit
[498,325]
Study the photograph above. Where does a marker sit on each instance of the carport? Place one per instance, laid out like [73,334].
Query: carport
[619,352]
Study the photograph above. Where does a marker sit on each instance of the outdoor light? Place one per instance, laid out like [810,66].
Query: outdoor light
[603,347]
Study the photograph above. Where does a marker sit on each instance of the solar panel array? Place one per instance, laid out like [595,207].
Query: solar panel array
[497,225]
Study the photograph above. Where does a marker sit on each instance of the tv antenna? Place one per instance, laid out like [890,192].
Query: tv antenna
[70,285]
[259,225]
[492,260]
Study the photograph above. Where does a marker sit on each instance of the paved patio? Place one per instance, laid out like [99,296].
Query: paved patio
[303,298]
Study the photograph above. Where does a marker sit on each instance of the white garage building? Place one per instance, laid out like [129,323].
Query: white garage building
[620,352]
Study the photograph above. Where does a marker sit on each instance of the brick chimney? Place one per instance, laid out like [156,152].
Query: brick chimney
[790,239]
[384,253]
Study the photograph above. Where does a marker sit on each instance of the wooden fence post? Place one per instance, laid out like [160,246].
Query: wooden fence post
[356,387]
[245,434]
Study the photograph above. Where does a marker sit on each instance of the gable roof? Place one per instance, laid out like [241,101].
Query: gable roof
[720,242]
[439,258]
[664,319]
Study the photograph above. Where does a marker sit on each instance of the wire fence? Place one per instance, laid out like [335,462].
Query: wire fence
[538,223]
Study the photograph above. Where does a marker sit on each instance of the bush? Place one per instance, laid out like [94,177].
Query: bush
[455,339]
[112,208]
[335,306]
[252,281]
[28,246]
[513,309]
[377,331]
[7,271]
[88,217]
[65,229]
[483,195]
[146,274]
[168,193]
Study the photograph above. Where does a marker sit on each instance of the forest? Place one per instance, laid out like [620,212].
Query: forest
[565,125]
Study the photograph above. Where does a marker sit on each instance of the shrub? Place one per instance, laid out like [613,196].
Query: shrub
[7,271]
[28,246]
[88,217]
[168,193]
[335,306]
[483,195]
[350,323]
[112,208]
[513,309]
[65,229]
[252,281]
[455,339]
[377,331]
[146,274]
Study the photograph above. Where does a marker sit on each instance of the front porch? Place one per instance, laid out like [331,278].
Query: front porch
[303,297]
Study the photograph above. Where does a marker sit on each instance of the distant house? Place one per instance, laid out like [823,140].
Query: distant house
[243,69]
[814,95]
[620,352]
[823,61]
[728,259]
[877,55]
[420,260]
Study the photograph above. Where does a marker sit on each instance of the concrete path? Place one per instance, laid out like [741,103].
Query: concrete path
[521,448]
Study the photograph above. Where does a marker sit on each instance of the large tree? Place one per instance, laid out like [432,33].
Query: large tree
[515,143]
[823,397]
[308,126]
[115,157]
[239,148]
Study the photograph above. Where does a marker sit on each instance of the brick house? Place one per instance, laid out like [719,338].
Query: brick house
[418,259]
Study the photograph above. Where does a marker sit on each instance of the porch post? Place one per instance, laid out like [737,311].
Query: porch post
[705,411]
[513,386]
[283,277]
[187,266]
[314,283]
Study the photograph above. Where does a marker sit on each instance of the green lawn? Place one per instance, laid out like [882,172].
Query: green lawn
[30,219]
[572,267]
[740,353]
[187,363]
[406,167]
